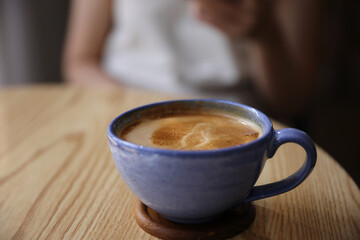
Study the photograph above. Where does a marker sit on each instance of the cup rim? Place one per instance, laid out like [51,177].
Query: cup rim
[118,141]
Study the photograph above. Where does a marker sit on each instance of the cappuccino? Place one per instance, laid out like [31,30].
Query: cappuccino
[195,131]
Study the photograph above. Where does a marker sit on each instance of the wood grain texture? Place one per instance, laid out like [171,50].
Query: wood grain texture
[58,180]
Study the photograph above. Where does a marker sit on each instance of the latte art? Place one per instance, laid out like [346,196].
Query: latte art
[192,132]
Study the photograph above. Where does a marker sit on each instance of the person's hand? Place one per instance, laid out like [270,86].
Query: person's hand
[236,18]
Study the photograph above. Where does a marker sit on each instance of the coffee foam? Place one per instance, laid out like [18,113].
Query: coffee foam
[192,132]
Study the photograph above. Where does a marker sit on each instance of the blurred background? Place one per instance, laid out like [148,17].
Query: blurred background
[31,40]
[32,34]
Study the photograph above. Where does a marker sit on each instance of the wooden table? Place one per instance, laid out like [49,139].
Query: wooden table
[58,179]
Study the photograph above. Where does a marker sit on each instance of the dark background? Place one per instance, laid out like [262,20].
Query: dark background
[31,40]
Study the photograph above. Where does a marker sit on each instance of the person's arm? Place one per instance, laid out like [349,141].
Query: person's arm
[88,27]
[283,38]
[287,57]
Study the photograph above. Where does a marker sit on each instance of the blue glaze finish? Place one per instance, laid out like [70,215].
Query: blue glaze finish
[195,186]
[280,137]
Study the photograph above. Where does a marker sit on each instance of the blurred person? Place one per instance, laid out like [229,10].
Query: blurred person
[155,45]
[160,45]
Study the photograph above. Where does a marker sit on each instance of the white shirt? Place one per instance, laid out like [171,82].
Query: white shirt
[158,45]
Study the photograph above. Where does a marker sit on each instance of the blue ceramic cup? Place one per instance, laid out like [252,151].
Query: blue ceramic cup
[197,186]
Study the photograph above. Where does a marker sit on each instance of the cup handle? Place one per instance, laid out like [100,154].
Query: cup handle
[280,137]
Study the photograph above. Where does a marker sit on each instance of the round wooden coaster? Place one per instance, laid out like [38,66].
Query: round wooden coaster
[227,225]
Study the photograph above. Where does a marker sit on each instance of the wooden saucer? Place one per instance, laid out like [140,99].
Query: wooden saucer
[229,224]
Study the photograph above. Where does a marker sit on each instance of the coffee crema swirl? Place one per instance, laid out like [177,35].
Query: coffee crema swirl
[192,132]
